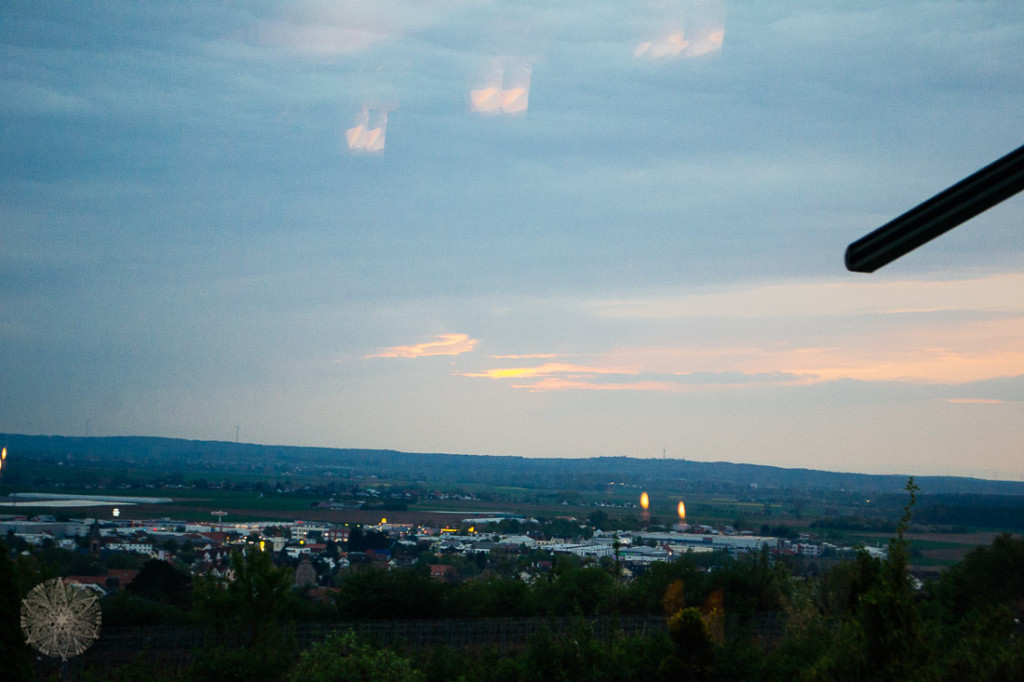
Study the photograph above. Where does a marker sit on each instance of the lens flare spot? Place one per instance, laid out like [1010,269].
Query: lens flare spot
[645,500]
[682,510]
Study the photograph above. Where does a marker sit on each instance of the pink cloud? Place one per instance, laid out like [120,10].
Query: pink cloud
[445,344]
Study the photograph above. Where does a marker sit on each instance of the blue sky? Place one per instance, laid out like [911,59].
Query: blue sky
[513,228]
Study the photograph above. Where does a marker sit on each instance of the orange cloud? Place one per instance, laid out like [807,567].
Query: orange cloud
[610,374]
[446,344]
[950,352]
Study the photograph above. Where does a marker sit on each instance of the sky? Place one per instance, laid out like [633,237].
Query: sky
[513,228]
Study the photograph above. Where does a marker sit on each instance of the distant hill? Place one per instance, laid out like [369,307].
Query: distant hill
[580,474]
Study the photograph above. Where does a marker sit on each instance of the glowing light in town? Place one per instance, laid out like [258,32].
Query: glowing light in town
[645,501]
[682,510]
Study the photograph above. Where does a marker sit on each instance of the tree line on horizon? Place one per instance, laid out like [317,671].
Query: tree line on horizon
[582,473]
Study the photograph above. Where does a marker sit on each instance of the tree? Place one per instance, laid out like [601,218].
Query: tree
[403,593]
[674,599]
[247,613]
[579,591]
[646,593]
[343,658]
[750,585]
[598,519]
[187,553]
[988,576]
[14,652]
[882,639]
[693,651]
[838,591]
[886,613]
[159,581]
[492,597]
[125,609]
[360,540]
[260,591]
[256,599]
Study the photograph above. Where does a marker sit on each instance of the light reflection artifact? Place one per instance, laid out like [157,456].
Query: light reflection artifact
[364,137]
[60,620]
[506,91]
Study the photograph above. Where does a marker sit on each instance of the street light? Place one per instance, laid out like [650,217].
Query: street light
[3,459]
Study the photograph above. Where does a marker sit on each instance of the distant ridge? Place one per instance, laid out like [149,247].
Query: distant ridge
[570,473]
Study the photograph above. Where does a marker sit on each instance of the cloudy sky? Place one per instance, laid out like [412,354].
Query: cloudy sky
[513,228]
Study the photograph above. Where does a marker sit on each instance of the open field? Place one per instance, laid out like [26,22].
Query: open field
[939,550]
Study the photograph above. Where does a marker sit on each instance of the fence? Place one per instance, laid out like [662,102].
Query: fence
[175,645]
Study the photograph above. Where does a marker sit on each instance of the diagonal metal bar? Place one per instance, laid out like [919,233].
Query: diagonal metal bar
[959,203]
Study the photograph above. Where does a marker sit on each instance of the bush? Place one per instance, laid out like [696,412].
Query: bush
[341,658]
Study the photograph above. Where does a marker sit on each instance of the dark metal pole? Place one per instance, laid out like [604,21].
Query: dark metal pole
[974,194]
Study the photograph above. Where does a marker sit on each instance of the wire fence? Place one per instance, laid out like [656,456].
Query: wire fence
[177,645]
